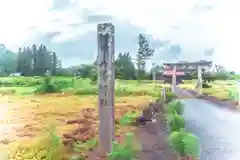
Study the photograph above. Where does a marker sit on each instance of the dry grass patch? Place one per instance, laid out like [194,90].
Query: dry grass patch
[28,116]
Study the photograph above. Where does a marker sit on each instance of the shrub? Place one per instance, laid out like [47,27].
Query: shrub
[184,143]
[47,86]
[124,151]
[49,147]
[175,106]
[170,96]
[129,118]
[175,123]
[205,85]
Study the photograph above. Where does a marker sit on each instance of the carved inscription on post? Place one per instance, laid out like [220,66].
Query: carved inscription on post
[106,78]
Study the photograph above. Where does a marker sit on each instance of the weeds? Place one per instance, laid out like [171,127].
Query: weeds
[182,142]
[129,118]
[48,148]
[47,86]
[88,145]
[175,106]
[124,151]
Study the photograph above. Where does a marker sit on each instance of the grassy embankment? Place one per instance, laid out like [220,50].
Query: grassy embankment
[219,89]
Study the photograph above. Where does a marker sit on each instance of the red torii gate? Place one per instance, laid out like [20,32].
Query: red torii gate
[185,65]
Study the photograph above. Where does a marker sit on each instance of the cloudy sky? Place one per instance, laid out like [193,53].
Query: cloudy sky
[178,29]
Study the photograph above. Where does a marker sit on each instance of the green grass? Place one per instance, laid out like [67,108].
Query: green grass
[219,88]
[32,85]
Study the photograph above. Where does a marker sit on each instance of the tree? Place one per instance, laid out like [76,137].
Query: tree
[144,53]
[8,61]
[37,60]
[54,63]
[124,67]
[87,71]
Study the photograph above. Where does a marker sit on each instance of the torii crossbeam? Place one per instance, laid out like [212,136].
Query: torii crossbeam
[189,66]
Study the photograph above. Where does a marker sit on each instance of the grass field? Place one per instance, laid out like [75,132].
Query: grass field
[29,121]
[219,89]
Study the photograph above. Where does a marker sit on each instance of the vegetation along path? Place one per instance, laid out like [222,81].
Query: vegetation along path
[218,129]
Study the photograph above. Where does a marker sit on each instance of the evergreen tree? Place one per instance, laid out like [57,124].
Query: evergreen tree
[144,53]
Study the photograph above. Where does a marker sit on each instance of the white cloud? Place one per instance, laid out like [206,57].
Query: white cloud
[217,27]
[18,16]
[172,20]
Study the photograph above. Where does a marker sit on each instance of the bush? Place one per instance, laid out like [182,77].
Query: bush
[126,150]
[205,85]
[48,86]
[175,107]
[129,118]
[49,147]
[175,122]
[184,143]
[170,96]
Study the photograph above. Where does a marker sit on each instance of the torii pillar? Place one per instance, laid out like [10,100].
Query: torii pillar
[174,79]
[199,82]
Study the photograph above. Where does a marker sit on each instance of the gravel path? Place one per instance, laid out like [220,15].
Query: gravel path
[218,129]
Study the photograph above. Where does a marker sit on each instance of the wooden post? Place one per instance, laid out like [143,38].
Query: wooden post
[199,86]
[154,73]
[238,94]
[164,94]
[106,83]
[174,79]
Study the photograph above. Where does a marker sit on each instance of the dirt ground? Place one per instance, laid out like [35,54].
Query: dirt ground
[152,138]
[154,145]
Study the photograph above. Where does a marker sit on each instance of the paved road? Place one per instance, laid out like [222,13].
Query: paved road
[218,129]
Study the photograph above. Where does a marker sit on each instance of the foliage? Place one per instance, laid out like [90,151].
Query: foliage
[8,61]
[175,106]
[82,148]
[144,52]
[129,118]
[35,61]
[75,85]
[233,94]
[175,122]
[174,109]
[184,143]
[205,85]
[125,68]
[47,86]
[125,151]
[170,96]
[88,71]
[48,148]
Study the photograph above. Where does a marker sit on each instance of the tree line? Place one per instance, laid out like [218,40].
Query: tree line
[36,61]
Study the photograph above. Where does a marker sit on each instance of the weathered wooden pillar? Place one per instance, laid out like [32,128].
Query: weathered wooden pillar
[199,85]
[106,82]
[174,79]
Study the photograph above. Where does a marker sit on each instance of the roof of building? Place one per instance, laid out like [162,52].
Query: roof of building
[201,62]
[169,71]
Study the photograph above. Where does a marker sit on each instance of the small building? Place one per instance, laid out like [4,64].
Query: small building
[184,70]
[16,74]
[166,75]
